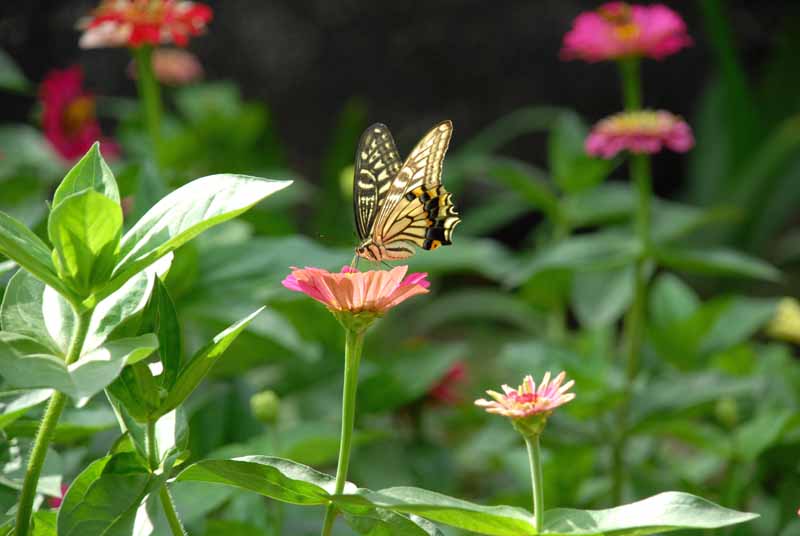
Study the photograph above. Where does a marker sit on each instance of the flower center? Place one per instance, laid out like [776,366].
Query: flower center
[526,398]
[77,114]
[620,16]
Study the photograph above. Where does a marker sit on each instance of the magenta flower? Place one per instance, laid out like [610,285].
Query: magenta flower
[641,132]
[619,30]
[446,390]
[528,400]
[375,291]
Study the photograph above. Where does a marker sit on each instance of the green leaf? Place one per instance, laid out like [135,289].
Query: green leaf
[167,328]
[85,229]
[660,513]
[11,77]
[90,173]
[15,404]
[184,214]
[195,369]
[760,433]
[23,311]
[573,170]
[276,478]
[600,297]
[378,522]
[671,301]
[44,523]
[19,244]
[492,520]
[584,252]
[717,262]
[82,379]
[606,203]
[105,497]
[737,322]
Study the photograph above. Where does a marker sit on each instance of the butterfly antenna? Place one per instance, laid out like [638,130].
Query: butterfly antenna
[386,264]
[354,264]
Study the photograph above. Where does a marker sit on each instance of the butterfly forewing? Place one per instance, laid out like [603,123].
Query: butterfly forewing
[377,163]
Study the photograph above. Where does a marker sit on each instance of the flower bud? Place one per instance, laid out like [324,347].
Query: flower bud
[265,406]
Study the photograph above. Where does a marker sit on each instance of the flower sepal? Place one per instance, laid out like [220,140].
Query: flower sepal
[356,322]
[531,426]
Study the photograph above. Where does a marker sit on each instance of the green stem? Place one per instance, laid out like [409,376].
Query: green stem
[47,429]
[354,342]
[631,83]
[151,445]
[149,94]
[174,521]
[634,328]
[537,483]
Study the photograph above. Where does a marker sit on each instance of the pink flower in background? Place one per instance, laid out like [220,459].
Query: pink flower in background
[528,400]
[351,291]
[133,23]
[55,502]
[641,132]
[68,115]
[446,390]
[173,67]
[619,30]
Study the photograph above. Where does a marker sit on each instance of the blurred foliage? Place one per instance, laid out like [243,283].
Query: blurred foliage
[716,411]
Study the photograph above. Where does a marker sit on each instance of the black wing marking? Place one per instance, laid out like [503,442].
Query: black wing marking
[377,162]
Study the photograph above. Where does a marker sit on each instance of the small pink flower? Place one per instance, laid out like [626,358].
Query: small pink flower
[645,131]
[351,291]
[55,502]
[619,30]
[527,400]
[173,67]
[446,390]
[133,23]
[68,115]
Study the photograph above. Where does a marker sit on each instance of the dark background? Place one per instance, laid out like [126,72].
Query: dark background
[413,63]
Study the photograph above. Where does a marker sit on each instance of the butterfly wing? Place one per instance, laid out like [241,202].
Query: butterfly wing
[377,162]
[417,210]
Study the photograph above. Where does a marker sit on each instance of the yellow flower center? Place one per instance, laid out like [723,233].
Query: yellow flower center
[77,114]
[620,16]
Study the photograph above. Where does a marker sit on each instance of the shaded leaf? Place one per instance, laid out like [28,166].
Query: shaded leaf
[717,262]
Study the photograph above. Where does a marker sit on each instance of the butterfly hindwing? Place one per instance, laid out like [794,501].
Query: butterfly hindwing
[405,215]
[377,163]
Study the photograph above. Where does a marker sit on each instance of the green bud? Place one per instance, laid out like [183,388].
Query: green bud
[265,406]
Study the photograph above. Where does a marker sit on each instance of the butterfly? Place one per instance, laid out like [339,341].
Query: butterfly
[399,205]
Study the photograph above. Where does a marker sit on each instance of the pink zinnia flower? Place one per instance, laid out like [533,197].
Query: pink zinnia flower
[68,115]
[645,131]
[446,390]
[618,30]
[357,298]
[173,67]
[55,502]
[133,23]
[528,400]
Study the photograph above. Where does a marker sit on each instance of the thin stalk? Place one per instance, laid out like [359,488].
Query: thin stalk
[151,445]
[47,429]
[634,328]
[175,525]
[537,483]
[631,83]
[354,342]
[149,95]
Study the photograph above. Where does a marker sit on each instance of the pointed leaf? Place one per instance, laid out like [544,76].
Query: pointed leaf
[277,478]
[90,172]
[492,520]
[15,404]
[378,522]
[168,329]
[193,372]
[19,244]
[185,213]
[660,513]
[23,312]
[717,262]
[85,229]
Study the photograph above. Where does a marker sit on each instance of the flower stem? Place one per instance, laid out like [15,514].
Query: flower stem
[354,342]
[149,94]
[631,83]
[47,429]
[634,328]
[174,521]
[535,461]
[151,445]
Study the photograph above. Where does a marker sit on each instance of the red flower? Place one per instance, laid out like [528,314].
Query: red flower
[55,502]
[620,30]
[134,23]
[68,116]
[446,390]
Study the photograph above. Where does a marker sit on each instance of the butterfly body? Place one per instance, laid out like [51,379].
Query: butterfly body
[400,206]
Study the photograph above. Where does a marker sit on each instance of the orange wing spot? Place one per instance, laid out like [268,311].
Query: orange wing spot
[429,222]
[417,191]
[435,244]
